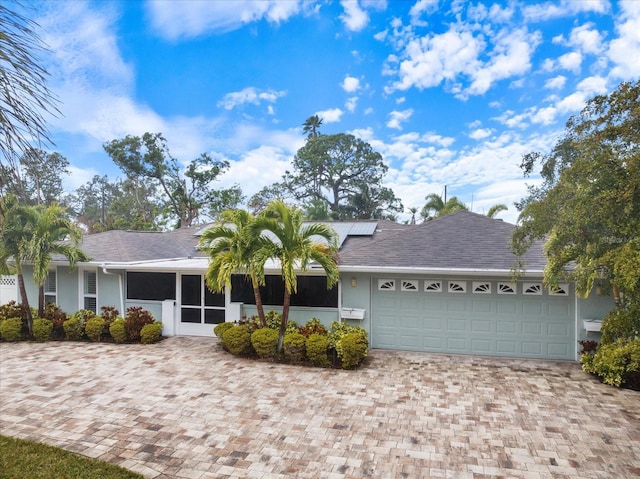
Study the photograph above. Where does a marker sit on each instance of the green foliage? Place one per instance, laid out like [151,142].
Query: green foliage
[42,329]
[135,320]
[94,327]
[339,329]
[57,317]
[313,326]
[265,342]
[587,208]
[436,207]
[352,349]
[617,364]
[118,331]
[151,333]
[11,329]
[73,328]
[273,319]
[237,340]
[317,346]
[26,459]
[219,329]
[83,315]
[294,347]
[621,323]
[10,310]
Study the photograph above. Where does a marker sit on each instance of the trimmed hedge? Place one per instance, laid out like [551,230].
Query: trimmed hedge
[317,346]
[94,327]
[219,329]
[237,340]
[151,333]
[617,364]
[265,342]
[42,329]
[118,331]
[11,329]
[294,347]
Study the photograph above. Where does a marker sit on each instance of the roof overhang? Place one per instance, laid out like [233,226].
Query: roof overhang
[484,272]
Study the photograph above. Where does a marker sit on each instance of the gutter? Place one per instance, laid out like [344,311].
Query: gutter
[120,286]
[439,271]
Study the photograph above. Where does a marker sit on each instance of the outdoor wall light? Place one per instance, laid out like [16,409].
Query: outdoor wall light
[354,282]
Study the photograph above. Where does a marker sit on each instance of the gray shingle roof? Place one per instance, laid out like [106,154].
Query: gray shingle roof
[462,240]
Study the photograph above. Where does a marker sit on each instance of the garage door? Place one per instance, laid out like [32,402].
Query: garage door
[495,318]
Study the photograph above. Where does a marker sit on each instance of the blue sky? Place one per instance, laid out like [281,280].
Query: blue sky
[449,92]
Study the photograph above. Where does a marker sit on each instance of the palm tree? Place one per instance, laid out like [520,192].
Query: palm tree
[53,233]
[414,211]
[436,204]
[295,247]
[495,209]
[232,247]
[311,126]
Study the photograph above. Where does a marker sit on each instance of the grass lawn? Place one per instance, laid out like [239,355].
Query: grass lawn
[20,459]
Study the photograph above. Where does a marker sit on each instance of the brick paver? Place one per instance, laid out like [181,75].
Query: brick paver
[185,409]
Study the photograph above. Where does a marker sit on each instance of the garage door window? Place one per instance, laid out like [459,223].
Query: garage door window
[506,288]
[561,290]
[480,287]
[532,289]
[433,286]
[457,286]
[387,284]
[409,285]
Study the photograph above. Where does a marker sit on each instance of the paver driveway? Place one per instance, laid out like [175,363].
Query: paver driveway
[184,408]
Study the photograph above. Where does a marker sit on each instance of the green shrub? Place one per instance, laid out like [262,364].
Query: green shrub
[352,348]
[11,329]
[313,326]
[621,323]
[237,340]
[118,331]
[135,320]
[273,319]
[42,329]
[151,333]
[340,329]
[10,310]
[219,329]
[94,327]
[84,315]
[73,328]
[58,317]
[618,364]
[294,347]
[317,346]
[265,342]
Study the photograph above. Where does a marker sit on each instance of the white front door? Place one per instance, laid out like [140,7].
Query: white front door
[200,309]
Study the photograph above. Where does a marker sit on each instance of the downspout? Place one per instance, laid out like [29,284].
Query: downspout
[120,287]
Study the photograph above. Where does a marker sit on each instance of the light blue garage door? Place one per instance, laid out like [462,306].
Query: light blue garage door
[494,318]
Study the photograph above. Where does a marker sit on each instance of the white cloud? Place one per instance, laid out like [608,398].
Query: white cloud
[480,133]
[332,115]
[176,20]
[571,61]
[354,17]
[350,84]
[624,50]
[587,38]
[564,8]
[421,7]
[250,95]
[556,83]
[397,117]
[351,103]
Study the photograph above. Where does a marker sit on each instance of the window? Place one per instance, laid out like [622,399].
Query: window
[90,291]
[151,286]
[480,287]
[433,286]
[50,288]
[532,288]
[561,290]
[409,285]
[386,284]
[457,287]
[312,292]
[506,288]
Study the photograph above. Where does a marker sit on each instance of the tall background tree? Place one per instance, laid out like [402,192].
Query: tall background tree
[188,192]
[587,209]
[436,206]
[343,172]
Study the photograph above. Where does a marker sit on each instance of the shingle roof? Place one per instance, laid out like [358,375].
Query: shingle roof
[462,240]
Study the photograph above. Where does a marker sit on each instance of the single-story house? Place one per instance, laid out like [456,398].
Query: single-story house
[442,286]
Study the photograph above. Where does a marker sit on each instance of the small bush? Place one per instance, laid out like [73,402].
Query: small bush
[588,346]
[118,331]
[58,317]
[151,333]
[617,364]
[109,314]
[84,315]
[621,323]
[219,329]
[42,329]
[10,310]
[265,342]
[338,330]
[313,326]
[73,328]
[94,327]
[135,320]
[237,340]
[317,346]
[352,348]
[294,347]
[273,319]
[11,329]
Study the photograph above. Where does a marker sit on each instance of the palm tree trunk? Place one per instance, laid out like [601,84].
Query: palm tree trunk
[26,309]
[285,318]
[258,298]
[40,300]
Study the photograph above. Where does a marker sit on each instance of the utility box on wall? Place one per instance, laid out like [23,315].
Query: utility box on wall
[352,313]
